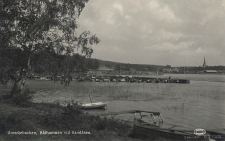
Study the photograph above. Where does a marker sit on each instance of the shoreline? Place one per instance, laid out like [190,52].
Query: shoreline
[46,121]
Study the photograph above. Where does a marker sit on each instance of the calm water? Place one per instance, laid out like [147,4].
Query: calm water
[198,77]
[199,104]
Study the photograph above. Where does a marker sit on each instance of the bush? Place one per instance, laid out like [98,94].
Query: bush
[13,119]
[66,117]
[23,98]
[98,123]
[73,108]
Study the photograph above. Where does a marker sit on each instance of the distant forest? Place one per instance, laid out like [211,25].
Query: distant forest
[127,66]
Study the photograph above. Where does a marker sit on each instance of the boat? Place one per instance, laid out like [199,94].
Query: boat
[152,131]
[182,81]
[94,105]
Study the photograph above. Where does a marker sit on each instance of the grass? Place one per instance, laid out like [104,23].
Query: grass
[131,91]
[53,117]
[115,91]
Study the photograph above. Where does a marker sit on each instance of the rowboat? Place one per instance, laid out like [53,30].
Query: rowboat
[151,131]
[94,105]
[154,130]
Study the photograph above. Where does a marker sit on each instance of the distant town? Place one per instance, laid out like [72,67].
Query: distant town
[108,67]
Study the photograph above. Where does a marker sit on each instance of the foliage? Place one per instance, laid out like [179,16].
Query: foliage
[73,117]
[73,108]
[70,117]
[50,117]
[37,28]
[92,64]
[111,124]
[23,98]
[53,64]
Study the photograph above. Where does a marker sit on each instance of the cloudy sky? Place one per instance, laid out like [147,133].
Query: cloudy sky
[159,32]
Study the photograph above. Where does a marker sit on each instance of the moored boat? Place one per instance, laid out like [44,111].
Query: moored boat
[94,105]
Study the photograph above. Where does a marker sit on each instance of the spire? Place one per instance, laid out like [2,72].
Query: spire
[204,63]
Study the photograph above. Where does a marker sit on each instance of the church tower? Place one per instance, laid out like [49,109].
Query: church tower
[204,63]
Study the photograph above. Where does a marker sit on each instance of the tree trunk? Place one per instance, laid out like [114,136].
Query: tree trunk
[21,78]
[22,84]
[14,88]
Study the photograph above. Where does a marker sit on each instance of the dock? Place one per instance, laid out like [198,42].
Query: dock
[135,112]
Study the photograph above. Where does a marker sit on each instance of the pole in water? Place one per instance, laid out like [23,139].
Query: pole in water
[90,98]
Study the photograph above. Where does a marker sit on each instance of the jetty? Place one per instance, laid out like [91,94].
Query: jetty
[135,112]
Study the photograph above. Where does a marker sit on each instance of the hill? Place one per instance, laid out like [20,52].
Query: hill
[128,66]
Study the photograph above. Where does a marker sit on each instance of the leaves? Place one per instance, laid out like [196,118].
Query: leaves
[37,28]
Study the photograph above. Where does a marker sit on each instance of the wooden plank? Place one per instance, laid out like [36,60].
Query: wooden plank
[116,113]
[131,112]
[154,113]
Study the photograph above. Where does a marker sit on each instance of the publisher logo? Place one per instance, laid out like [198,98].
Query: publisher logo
[199,132]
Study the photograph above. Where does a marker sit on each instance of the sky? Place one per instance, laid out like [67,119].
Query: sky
[157,32]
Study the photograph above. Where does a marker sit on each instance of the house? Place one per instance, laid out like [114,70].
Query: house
[210,71]
[104,68]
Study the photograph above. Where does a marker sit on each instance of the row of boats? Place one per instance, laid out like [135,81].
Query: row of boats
[134,79]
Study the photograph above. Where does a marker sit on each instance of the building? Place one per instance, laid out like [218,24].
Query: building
[210,71]
[204,63]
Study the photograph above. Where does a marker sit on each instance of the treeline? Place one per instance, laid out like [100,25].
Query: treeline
[55,64]
[129,67]
[45,62]
[138,67]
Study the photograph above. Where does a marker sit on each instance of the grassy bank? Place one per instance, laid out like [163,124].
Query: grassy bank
[45,121]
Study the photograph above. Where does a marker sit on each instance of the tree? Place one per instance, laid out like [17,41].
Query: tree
[167,66]
[39,27]
[92,64]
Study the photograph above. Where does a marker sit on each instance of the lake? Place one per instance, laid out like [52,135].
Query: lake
[199,104]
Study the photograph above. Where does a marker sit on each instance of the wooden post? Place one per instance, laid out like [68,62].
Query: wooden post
[140,115]
[134,122]
[90,98]
[152,115]
[106,106]
[161,118]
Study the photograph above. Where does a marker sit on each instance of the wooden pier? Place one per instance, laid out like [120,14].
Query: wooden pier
[135,112]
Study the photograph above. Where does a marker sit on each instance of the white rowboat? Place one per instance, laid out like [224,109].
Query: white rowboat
[94,105]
